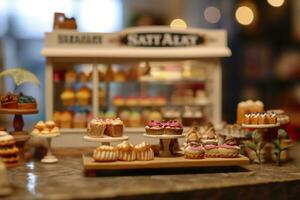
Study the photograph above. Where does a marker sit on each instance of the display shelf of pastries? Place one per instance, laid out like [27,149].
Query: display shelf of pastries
[91,167]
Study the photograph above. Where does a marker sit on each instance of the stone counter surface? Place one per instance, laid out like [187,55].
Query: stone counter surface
[65,180]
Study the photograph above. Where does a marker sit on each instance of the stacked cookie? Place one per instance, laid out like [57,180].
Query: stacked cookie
[8,150]
[123,152]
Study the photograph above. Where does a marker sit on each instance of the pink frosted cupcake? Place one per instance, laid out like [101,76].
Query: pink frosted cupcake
[154,128]
[194,151]
[173,128]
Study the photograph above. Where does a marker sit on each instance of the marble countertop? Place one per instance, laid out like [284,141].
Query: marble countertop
[65,180]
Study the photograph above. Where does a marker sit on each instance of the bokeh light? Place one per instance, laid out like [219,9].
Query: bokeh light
[276,3]
[212,14]
[244,15]
[178,24]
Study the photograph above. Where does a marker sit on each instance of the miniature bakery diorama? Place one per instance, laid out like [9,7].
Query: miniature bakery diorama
[141,102]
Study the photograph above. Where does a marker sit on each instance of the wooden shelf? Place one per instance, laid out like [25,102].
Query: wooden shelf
[18,111]
[162,162]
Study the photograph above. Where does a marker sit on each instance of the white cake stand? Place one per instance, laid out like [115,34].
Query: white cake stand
[260,126]
[165,140]
[49,157]
[106,140]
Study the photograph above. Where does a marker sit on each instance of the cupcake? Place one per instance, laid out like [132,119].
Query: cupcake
[66,120]
[96,127]
[9,153]
[105,153]
[271,118]
[155,115]
[229,149]
[26,102]
[159,101]
[247,119]
[124,116]
[68,97]
[135,119]
[80,120]
[118,101]
[126,151]
[154,128]
[114,128]
[83,96]
[50,124]
[83,77]
[194,151]
[9,101]
[110,115]
[70,76]
[56,118]
[145,101]
[40,125]
[131,101]
[144,152]
[173,128]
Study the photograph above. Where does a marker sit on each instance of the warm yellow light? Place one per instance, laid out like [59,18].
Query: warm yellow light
[178,24]
[276,3]
[244,15]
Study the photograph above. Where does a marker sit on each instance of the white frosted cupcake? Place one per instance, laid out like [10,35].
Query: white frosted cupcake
[126,151]
[105,153]
[144,152]
[96,128]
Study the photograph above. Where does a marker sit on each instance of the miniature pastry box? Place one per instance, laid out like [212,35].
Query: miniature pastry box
[138,75]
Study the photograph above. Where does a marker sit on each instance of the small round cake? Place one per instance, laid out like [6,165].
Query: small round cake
[144,152]
[126,151]
[96,128]
[9,153]
[83,96]
[154,128]
[105,153]
[68,97]
[173,128]
[194,151]
[229,149]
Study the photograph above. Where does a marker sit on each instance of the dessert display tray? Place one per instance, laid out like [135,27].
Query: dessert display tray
[164,136]
[105,139]
[90,166]
[260,125]
[18,111]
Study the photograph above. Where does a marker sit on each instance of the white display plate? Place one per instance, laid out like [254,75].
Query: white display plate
[260,125]
[105,139]
[46,136]
[164,136]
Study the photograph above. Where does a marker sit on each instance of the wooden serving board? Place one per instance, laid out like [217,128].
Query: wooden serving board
[163,162]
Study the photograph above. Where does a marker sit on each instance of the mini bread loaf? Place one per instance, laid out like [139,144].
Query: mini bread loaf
[105,153]
[144,152]
[126,151]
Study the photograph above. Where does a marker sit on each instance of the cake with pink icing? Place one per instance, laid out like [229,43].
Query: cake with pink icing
[173,127]
[229,149]
[154,128]
[194,151]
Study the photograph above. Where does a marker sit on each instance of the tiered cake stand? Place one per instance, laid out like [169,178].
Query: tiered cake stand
[106,140]
[165,141]
[49,157]
[19,134]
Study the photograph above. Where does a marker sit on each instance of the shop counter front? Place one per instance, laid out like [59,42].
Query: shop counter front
[65,180]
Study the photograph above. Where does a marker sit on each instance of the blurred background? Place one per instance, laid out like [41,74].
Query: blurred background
[264,36]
